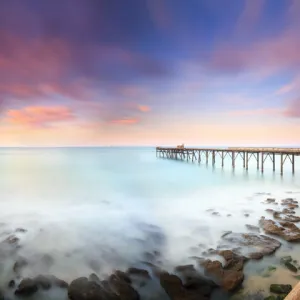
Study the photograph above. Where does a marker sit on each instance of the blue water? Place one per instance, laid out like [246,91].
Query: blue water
[96,209]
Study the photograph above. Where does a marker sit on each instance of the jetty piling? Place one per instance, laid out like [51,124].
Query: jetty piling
[259,154]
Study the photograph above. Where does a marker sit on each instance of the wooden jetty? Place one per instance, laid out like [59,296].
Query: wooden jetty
[260,155]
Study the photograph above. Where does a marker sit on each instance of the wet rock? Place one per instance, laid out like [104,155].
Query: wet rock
[228,215]
[252,228]
[83,289]
[19,264]
[280,288]
[123,289]
[269,210]
[228,279]
[122,276]
[270,200]
[232,260]
[288,231]
[254,243]
[246,215]
[27,287]
[286,259]
[286,218]
[175,289]
[139,272]
[291,267]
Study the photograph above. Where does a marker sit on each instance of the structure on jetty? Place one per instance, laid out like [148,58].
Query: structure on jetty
[258,154]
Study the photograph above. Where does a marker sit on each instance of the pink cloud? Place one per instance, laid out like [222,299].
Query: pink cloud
[125,121]
[144,108]
[39,116]
[32,59]
[293,109]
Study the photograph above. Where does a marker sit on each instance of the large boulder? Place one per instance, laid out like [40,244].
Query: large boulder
[288,231]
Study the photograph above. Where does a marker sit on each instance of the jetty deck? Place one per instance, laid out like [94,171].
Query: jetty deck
[259,154]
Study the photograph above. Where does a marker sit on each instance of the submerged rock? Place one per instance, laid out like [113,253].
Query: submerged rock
[280,288]
[286,218]
[288,231]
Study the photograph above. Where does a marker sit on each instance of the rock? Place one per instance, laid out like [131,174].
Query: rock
[288,231]
[291,267]
[12,240]
[252,228]
[254,243]
[280,288]
[19,264]
[138,272]
[175,289]
[256,255]
[95,278]
[123,289]
[270,200]
[43,282]
[83,289]
[228,215]
[246,215]
[122,276]
[269,210]
[59,282]
[22,230]
[11,284]
[228,279]
[27,287]
[216,214]
[285,259]
[233,261]
[286,218]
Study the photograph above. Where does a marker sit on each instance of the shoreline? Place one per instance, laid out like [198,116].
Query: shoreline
[223,271]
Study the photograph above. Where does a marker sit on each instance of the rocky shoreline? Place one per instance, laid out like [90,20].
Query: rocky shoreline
[216,274]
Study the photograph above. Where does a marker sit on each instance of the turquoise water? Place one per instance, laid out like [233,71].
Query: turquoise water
[96,209]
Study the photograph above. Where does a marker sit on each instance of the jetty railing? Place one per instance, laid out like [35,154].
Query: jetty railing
[259,154]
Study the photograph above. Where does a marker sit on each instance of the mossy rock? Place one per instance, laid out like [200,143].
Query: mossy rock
[291,267]
[286,259]
[280,288]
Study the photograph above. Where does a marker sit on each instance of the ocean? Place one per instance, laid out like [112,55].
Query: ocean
[93,210]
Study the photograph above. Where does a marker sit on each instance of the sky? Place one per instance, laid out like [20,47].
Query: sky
[149,72]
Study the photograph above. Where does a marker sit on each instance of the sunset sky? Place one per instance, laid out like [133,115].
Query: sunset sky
[149,72]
